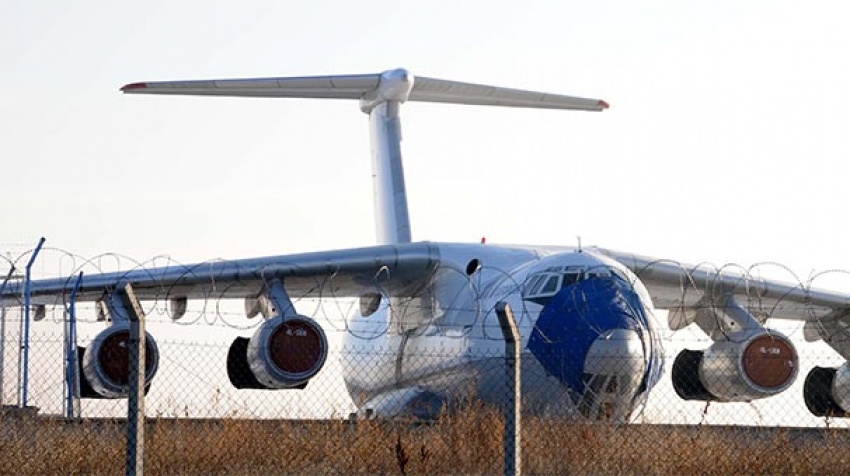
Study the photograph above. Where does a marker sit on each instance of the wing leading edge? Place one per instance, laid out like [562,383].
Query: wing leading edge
[675,286]
[399,270]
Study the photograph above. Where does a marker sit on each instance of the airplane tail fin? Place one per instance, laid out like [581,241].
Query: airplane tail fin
[379,96]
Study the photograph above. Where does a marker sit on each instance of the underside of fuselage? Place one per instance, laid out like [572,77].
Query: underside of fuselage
[588,342]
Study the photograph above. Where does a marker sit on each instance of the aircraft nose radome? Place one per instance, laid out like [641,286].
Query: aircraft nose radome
[614,371]
[616,352]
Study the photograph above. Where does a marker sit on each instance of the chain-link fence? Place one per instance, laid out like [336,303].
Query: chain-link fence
[410,399]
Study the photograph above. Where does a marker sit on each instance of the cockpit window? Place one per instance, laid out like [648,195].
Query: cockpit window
[543,285]
[533,285]
[598,273]
[572,275]
[551,285]
[546,283]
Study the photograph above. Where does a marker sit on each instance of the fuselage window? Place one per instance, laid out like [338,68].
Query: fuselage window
[473,266]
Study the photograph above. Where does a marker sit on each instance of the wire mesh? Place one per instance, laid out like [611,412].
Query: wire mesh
[399,397]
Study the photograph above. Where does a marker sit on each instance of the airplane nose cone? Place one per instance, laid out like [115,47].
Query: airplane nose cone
[616,352]
[614,369]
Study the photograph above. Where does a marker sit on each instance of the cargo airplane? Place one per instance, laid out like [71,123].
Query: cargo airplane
[425,334]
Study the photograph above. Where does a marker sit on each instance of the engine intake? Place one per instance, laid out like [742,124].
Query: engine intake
[283,353]
[827,391]
[105,363]
[737,369]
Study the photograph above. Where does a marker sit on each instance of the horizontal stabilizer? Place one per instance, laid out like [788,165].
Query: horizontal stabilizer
[441,90]
[365,85]
[321,87]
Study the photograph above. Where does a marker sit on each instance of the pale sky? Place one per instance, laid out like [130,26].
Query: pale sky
[725,141]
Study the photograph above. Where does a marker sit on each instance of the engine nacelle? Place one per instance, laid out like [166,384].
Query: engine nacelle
[827,391]
[282,353]
[741,368]
[105,363]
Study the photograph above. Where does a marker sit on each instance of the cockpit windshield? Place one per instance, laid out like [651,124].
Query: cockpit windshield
[545,284]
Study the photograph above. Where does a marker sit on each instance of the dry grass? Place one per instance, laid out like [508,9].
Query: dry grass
[466,443]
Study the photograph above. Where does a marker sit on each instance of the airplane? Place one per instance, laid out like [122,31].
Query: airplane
[425,335]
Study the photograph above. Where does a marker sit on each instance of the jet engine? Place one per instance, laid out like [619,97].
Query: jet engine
[282,353]
[827,391]
[105,363]
[738,368]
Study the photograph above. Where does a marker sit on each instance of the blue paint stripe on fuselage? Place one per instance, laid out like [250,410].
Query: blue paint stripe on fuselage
[579,313]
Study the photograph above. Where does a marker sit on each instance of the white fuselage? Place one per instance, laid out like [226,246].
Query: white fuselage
[449,333]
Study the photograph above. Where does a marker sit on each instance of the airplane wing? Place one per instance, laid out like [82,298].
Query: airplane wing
[399,270]
[681,288]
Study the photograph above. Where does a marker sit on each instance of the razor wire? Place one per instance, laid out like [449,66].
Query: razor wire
[322,301]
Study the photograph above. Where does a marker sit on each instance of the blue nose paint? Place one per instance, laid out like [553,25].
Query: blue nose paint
[579,313]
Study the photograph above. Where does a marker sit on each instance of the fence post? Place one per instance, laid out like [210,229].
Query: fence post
[72,378]
[513,400]
[136,399]
[25,346]
[3,330]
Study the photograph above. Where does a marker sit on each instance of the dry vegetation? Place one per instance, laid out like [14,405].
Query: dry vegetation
[468,443]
